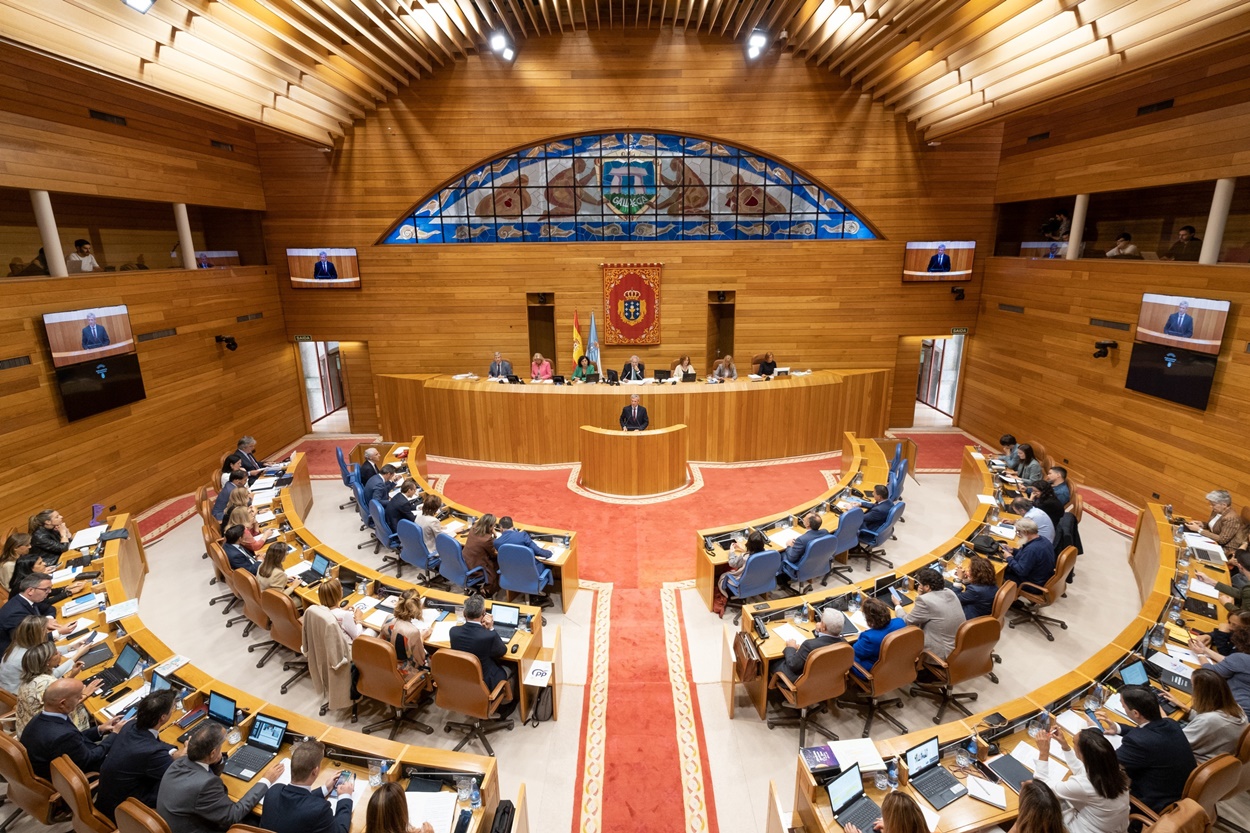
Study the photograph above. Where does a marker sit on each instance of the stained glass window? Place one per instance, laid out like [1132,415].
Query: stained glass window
[629,186]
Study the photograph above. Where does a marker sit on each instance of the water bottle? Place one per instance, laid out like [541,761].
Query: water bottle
[891,773]
[972,747]
[475,796]
[1182,584]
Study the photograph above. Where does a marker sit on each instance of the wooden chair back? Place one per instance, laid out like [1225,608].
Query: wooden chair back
[1212,781]
[378,665]
[824,675]
[1077,505]
[461,687]
[133,816]
[973,654]
[896,665]
[69,781]
[34,795]
[1185,816]
[1004,599]
[248,590]
[285,626]
[755,361]
[1058,583]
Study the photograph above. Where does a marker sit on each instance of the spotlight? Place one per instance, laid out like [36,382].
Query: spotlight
[756,44]
[140,6]
[958,292]
[508,54]
[1104,347]
[498,42]
[229,341]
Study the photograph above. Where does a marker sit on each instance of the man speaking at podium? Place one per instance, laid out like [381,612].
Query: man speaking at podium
[93,335]
[634,416]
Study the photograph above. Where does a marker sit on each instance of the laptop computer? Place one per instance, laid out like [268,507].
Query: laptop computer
[96,655]
[850,805]
[592,378]
[929,778]
[689,377]
[515,380]
[262,746]
[506,618]
[663,375]
[119,671]
[220,709]
[1205,609]
[881,589]
[557,380]
[320,566]
[614,378]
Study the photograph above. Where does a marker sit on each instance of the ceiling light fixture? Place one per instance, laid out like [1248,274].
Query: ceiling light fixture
[498,42]
[756,44]
[141,6]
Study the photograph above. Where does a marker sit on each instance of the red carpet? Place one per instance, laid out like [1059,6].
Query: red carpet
[936,451]
[322,461]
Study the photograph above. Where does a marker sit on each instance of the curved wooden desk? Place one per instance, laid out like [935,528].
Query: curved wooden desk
[633,462]
[538,424]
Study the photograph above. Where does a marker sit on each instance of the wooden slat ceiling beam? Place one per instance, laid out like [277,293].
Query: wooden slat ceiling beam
[311,67]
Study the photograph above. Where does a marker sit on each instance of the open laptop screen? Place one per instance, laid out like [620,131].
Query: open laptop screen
[845,788]
[505,614]
[923,756]
[128,659]
[221,708]
[267,732]
[1134,674]
[320,564]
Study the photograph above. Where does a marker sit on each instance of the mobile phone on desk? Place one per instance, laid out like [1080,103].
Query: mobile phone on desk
[1095,724]
[346,777]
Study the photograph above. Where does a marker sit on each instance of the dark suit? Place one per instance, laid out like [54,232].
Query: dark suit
[13,612]
[1158,759]
[1033,563]
[794,552]
[50,736]
[293,809]
[500,369]
[634,418]
[1181,326]
[134,767]
[239,558]
[250,463]
[940,263]
[523,539]
[399,508]
[324,271]
[194,800]
[94,336]
[794,660]
[486,645]
[223,499]
[377,488]
[977,600]
[367,471]
[629,374]
[875,515]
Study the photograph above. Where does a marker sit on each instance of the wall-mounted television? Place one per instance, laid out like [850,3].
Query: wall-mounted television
[93,351]
[1183,321]
[323,268]
[1172,373]
[938,260]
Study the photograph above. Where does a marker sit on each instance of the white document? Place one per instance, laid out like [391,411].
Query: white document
[265,517]
[73,608]
[987,499]
[1167,663]
[377,618]
[442,630]
[555,549]
[439,809]
[285,777]
[298,569]
[783,537]
[787,632]
[754,377]
[858,618]
[429,616]
[931,818]
[862,751]
[1201,588]
[453,526]
[1183,654]
[88,537]
[260,499]
[120,706]
[367,603]
[1073,721]
[263,483]
[1003,531]
[121,610]
[539,674]
[1026,753]
[1114,704]
[66,575]
[983,790]
[81,624]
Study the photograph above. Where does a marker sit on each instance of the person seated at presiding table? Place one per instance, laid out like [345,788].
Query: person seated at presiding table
[431,504]
[138,758]
[239,556]
[15,546]
[1030,470]
[1155,752]
[739,552]
[585,367]
[193,798]
[233,462]
[768,366]
[540,368]
[1095,797]
[51,733]
[794,552]
[479,551]
[726,370]
[1034,561]
[634,416]
[1057,477]
[1224,526]
[1214,721]
[271,573]
[301,807]
[407,631]
[827,631]
[976,595]
[36,588]
[881,623]
[31,633]
[49,536]
[937,611]
[877,513]
[237,479]
[399,508]
[500,368]
[477,636]
[379,486]
[633,371]
[1025,509]
[683,367]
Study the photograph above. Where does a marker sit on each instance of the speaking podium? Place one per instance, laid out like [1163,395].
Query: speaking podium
[633,462]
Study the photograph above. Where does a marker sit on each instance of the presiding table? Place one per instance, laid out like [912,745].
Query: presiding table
[633,462]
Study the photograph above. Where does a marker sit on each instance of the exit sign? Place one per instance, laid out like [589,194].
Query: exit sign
[955,331]
[309,338]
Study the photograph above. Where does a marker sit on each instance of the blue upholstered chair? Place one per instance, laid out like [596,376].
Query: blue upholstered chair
[520,572]
[413,552]
[451,564]
[383,535]
[814,564]
[757,578]
[348,472]
[870,540]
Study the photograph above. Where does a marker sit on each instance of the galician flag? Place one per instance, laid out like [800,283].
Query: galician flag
[577,340]
[593,351]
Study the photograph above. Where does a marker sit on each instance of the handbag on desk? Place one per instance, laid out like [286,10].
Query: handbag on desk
[746,657]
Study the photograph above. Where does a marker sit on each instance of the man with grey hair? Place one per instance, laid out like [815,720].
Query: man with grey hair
[1034,561]
[194,799]
[500,368]
[1224,526]
[477,636]
[828,631]
[247,451]
[370,466]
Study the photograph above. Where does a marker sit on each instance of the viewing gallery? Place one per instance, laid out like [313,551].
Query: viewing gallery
[480,416]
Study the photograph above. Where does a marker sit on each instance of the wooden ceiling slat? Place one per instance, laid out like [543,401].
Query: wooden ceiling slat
[403,36]
[352,32]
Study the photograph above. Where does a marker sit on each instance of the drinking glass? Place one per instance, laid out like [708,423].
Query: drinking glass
[962,758]
[1158,634]
[464,787]
[881,781]
[1182,557]
[375,773]
[234,735]
[1037,729]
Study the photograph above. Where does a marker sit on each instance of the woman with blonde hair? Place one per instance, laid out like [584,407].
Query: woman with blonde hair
[1215,720]
[37,667]
[726,370]
[32,632]
[407,632]
[240,497]
[540,368]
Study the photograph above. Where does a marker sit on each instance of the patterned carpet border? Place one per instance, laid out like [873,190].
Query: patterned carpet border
[690,748]
[595,713]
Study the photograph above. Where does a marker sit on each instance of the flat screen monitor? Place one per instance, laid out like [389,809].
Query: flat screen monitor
[323,268]
[84,335]
[1172,373]
[92,387]
[1182,321]
[938,260]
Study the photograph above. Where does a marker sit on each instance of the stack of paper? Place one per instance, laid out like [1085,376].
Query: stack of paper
[983,790]
[442,630]
[862,751]
[1026,753]
[88,537]
[1201,588]
[787,632]
[121,610]
[80,625]
[783,537]
[377,618]
[171,665]
[439,809]
[1167,663]
[76,606]
[1003,531]
[119,706]
[263,498]
[63,576]
[265,517]
[453,526]
[263,483]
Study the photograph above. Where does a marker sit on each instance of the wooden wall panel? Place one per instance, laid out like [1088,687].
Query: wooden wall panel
[49,141]
[362,410]
[1033,375]
[200,397]
[446,308]
[906,373]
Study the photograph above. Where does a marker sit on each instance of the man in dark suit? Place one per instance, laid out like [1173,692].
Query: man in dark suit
[193,798]
[1155,752]
[828,631]
[1034,561]
[52,733]
[94,336]
[299,807]
[31,600]
[476,636]
[238,478]
[370,466]
[324,270]
[247,451]
[379,486]
[519,537]
[1180,323]
[399,508]
[940,262]
[500,368]
[635,371]
[239,558]
[876,514]
[139,758]
[634,416]
[794,552]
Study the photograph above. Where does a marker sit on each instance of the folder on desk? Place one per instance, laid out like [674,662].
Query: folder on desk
[992,794]
[88,537]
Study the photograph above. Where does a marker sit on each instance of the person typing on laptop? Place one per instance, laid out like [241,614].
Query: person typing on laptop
[193,798]
[300,807]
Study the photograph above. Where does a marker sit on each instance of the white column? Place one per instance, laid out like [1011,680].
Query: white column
[1076,232]
[186,245]
[1213,234]
[42,204]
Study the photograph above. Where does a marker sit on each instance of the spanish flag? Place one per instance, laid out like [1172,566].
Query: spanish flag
[577,339]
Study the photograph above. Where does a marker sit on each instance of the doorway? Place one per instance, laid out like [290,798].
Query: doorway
[720,326]
[541,310]
[323,383]
[937,383]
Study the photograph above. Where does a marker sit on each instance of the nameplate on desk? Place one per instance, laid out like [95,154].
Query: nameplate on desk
[171,665]
[121,610]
